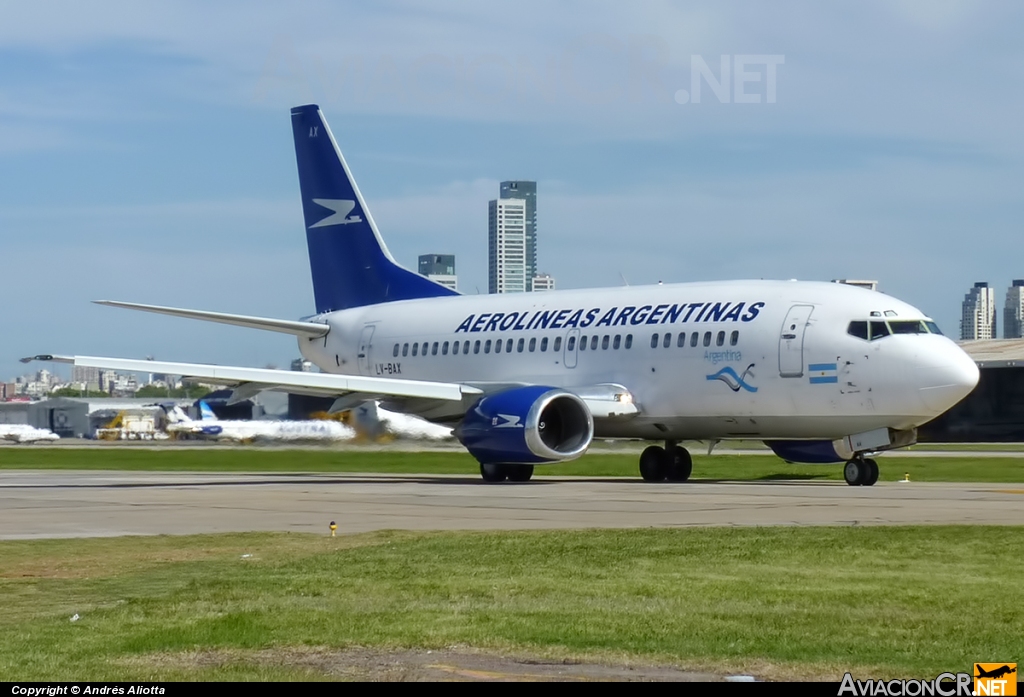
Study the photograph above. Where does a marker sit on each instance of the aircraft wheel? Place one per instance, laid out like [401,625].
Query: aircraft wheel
[653,464]
[871,475]
[853,473]
[520,473]
[680,464]
[493,473]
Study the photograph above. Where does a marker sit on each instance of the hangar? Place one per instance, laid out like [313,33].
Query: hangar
[994,411]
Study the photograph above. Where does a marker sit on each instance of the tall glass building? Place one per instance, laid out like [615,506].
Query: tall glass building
[526,192]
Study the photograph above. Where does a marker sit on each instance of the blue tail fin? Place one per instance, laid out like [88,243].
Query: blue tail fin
[351,265]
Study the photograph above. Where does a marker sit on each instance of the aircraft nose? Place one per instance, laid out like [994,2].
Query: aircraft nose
[949,381]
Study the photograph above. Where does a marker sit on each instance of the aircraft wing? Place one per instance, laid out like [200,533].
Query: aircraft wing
[251,380]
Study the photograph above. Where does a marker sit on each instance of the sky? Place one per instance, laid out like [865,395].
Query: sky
[147,154]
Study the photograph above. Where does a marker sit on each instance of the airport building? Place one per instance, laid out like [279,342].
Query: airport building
[978,316]
[439,268]
[1013,311]
[994,411]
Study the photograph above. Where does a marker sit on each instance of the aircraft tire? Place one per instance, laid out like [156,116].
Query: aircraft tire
[520,473]
[871,476]
[653,464]
[680,464]
[493,473]
[853,472]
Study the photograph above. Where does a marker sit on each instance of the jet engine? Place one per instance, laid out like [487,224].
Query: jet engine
[812,452]
[527,425]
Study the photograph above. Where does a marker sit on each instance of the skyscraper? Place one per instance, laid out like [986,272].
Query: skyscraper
[439,268]
[1013,311]
[978,318]
[507,270]
[525,191]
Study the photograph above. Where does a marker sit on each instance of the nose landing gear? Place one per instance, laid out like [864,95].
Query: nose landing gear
[673,462]
[861,471]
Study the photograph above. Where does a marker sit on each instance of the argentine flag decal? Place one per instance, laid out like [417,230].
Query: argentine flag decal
[822,373]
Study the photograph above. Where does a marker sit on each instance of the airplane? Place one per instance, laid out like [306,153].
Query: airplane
[180,425]
[23,433]
[821,372]
[995,673]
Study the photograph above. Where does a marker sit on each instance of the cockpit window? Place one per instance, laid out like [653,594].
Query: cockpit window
[908,327]
[878,330]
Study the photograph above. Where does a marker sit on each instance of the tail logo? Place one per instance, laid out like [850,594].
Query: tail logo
[340,209]
[734,381]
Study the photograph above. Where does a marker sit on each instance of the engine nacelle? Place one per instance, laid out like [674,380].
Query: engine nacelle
[527,425]
[812,452]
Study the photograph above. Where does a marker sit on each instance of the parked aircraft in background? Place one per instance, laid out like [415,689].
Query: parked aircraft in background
[822,372]
[180,425]
[23,433]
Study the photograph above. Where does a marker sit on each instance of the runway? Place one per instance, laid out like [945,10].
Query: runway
[37,504]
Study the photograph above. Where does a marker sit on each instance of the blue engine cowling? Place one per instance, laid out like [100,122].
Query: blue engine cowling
[812,452]
[527,425]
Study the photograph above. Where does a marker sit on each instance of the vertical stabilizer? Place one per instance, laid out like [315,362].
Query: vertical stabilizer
[351,266]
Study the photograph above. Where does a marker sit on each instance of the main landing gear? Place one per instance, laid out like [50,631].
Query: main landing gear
[499,473]
[672,463]
[860,471]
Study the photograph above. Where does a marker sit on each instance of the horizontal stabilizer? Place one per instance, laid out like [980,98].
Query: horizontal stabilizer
[310,330]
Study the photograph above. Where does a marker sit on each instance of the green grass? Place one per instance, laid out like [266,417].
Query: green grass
[723,467]
[782,602]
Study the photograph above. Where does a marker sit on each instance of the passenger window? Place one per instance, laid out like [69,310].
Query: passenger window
[734,338]
[878,330]
[519,346]
[415,348]
[558,344]
[533,345]
[859,329]
[405,349]
[571,344]
[617,341]
[593,343]
[720,341]
[497,345]
[465,347]
[668,341]
[433,349]
[654,341]
[476,346]
[444,349]
[629,341]
[694,338]
[604,342]
[487,346]
[583,343]
[395,352]
[508,346]
[544,344]
[455,348]
[681,341]
[707,338]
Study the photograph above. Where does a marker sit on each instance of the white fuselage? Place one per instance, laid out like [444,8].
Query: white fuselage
[772,359]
